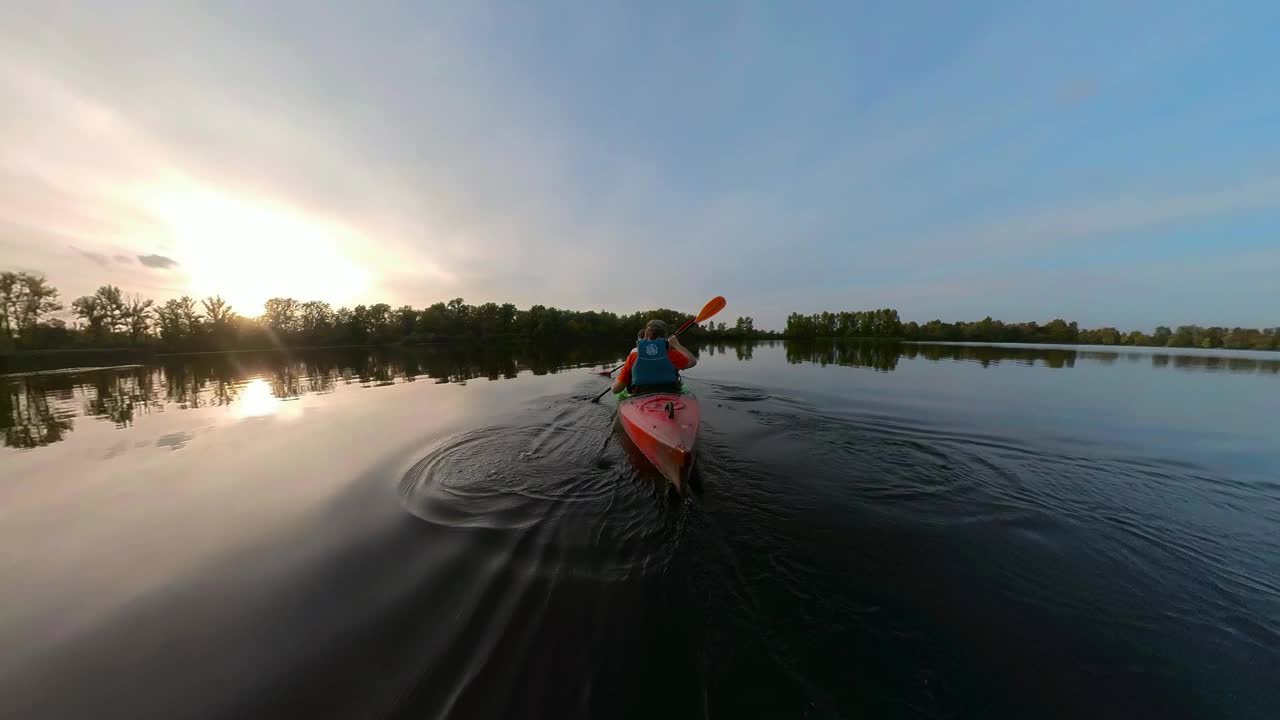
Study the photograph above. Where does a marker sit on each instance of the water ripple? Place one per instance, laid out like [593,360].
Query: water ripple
[572,501]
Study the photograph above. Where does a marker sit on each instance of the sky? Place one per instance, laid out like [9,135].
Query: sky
[1111,163]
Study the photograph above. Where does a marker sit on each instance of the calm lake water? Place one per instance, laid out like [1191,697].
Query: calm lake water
[880,531]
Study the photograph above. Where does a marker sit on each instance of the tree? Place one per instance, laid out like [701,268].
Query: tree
[137,318]
[1059,331]
[8,302]
[358,328]
[1184,336]
[1211,337]
[826,324]
[507,314]
[219,317]
[103,312]
[281,315]
[433,321]
[379,322]
[111,305]
[487,320]
[459,314]
[25,298]
[315,321]
[91,310]
[217,312]
[889,324]
[800,326]
[342,320]
[191,317]
[41,300]
[178,319]
[406,319]
[168,321]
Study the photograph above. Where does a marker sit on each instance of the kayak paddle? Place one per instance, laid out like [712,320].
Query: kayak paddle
[713,306]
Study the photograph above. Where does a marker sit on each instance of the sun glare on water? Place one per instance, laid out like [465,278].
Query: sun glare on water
[256,399]
[248,251]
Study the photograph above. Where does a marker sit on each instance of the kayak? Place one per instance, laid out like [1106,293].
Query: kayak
[665,427]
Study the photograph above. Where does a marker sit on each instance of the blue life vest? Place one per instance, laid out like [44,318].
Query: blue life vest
[652,366]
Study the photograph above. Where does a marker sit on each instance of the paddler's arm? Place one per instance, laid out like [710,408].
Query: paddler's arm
[674,343]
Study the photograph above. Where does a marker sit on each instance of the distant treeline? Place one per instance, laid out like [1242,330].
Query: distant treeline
[885,355]
[108,319]
[885,323]
[30,309]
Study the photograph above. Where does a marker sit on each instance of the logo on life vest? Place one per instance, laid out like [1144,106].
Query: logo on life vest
[651,350]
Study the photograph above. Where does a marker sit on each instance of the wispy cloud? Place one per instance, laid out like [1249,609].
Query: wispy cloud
[96,258]
[157,261]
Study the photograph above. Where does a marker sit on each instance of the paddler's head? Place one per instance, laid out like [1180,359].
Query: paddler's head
[655,328]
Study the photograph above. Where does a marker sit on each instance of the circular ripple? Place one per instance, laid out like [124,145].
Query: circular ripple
[564,498]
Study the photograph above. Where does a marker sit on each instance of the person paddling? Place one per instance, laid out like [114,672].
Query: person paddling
[655,363]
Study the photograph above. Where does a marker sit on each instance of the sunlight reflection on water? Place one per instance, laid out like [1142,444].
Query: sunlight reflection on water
[257,400]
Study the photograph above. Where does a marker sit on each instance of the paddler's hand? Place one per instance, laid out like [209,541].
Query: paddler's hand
[674,343]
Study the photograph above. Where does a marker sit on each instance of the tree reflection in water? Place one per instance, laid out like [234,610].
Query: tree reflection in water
[38,409]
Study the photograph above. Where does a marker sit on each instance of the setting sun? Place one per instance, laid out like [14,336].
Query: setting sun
[248,251]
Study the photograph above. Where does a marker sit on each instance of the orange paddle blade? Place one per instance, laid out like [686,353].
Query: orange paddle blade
[713,306]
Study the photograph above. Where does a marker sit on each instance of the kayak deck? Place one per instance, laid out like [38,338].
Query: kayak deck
[664,426]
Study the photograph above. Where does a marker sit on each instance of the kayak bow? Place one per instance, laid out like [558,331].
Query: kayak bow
[665,427]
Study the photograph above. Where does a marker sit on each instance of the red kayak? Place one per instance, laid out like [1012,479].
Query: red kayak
[665,427]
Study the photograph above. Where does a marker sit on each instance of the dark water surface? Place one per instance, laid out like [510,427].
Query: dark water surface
[881,531]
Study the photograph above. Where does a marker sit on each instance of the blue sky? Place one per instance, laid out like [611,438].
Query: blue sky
[1113,163]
